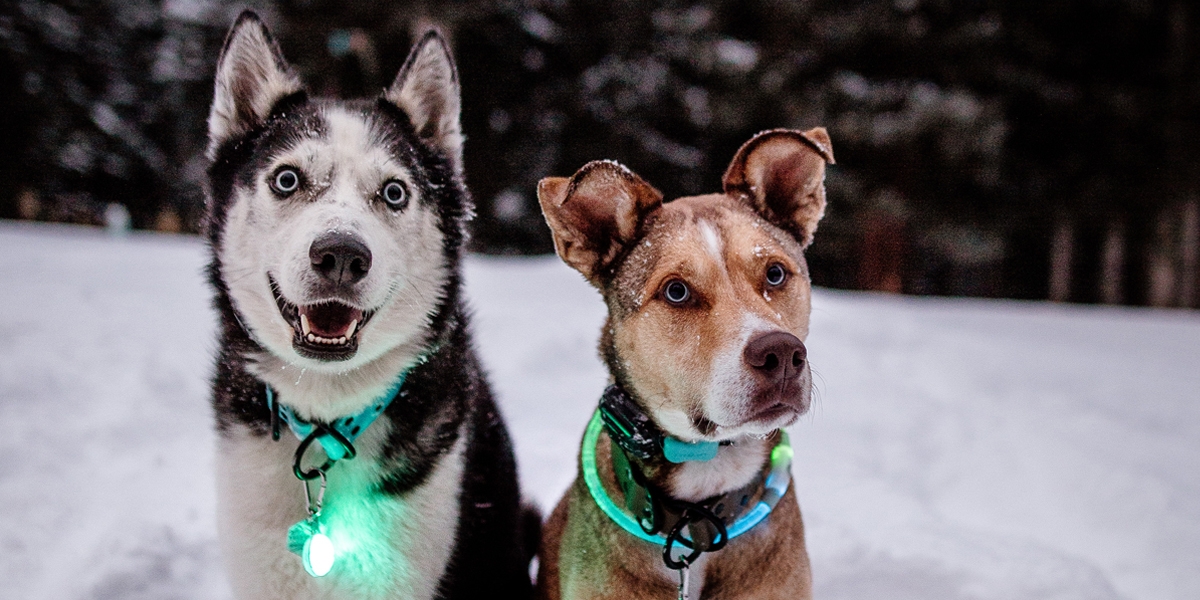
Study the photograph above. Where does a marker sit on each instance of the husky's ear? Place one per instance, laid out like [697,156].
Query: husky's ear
[780,173]
[595,214]
[251,77]
[426,89]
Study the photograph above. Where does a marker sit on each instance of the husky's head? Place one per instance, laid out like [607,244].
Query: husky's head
[336,226]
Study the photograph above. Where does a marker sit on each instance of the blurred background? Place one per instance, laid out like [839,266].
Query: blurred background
[959,449]
[1019,149]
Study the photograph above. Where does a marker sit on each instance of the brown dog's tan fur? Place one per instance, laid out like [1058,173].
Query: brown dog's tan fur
[682,361]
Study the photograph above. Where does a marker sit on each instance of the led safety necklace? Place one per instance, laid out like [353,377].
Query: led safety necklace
[710,533]
[776,486]
[308,537]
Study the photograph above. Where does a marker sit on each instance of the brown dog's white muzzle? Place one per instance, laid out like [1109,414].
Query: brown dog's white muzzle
[777,360]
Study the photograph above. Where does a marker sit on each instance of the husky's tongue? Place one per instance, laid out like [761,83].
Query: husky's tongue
[330,320]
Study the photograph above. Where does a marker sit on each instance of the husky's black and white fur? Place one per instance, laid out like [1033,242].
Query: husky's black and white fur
[336,229]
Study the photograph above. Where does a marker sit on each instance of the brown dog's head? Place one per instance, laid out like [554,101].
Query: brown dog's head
[708,296]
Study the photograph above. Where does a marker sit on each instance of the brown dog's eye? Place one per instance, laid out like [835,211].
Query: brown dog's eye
[676,292]
[776,275]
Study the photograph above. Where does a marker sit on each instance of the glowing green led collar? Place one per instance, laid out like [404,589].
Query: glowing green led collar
[776,485]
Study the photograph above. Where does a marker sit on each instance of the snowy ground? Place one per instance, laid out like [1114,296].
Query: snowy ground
[959,449]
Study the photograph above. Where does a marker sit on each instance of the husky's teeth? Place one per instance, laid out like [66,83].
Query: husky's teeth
[304,327]
[316,339]
[353,326]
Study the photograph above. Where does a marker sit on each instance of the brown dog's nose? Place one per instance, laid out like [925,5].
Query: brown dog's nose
[777,356]
[340,258]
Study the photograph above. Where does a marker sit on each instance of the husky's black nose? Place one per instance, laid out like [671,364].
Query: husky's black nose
[340,258]
[777,356]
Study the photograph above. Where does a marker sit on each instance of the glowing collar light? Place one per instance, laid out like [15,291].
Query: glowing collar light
[776,485]
[307,537]
[318,555]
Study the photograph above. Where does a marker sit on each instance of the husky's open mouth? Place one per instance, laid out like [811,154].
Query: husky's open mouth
[327,330]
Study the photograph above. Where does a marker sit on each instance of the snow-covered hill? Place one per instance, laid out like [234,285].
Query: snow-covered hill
[959,449]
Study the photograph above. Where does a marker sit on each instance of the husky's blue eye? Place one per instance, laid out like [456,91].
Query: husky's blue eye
[394,194]
[286,181]
[776,274]
[676,292]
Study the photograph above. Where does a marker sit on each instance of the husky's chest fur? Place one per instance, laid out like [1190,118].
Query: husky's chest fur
[336,230]
[396,546]
[395,512]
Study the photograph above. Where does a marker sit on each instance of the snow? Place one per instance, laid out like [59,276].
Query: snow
[959,449]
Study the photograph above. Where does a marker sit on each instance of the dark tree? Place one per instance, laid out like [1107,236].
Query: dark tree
[106,104]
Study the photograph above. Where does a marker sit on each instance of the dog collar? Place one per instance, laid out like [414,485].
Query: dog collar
[631,428]
[650,527]
[308,537]
[349,428]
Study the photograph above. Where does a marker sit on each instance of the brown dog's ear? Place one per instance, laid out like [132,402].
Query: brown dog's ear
[595,213]
[780,173]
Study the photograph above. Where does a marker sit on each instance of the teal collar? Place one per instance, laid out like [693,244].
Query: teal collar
[348,427]
[775,486]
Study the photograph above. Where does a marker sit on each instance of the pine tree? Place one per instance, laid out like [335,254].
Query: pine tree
[112,98]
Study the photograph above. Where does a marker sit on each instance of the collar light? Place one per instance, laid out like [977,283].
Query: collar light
[307,537]
[318,554]
[776,486]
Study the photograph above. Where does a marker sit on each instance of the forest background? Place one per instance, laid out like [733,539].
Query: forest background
[1020,149]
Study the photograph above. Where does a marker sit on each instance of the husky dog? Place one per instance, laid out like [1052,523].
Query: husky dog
[685,470]
[336,229]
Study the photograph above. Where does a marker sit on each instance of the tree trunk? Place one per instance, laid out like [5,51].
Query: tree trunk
[1189,253]
[1160,263]
[1062,247]
[1112,270]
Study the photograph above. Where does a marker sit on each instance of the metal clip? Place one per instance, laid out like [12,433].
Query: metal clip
[314,508]
[683,583]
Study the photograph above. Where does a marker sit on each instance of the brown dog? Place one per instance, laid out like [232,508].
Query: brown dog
[709,301]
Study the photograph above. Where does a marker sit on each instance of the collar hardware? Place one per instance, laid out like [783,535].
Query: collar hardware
[336,438]
[308,537]
[648,523]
